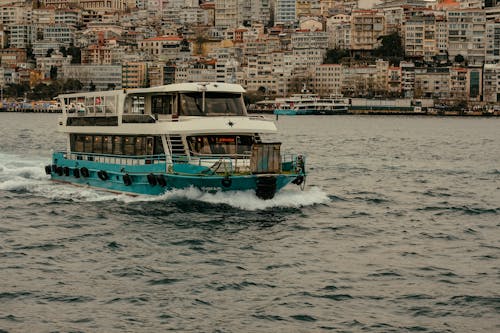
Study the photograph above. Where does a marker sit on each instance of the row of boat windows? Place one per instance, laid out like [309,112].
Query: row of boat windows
[190,104]
[117,144]
[220,144]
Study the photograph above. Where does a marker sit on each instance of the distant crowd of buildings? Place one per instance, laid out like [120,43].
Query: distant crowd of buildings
[277,47]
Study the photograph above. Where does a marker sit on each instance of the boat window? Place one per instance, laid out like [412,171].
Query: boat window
[78,143]
[220,144]
[128,145]
[107,144]
[117,145]
[97,147]
[140,147]
[161,104]
[216,104]
[88,143]
[158,146]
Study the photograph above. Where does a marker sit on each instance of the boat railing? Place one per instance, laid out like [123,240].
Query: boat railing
[213,163]
[218,163]
[116,159]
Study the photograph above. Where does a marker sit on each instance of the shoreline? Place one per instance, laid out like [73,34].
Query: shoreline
[349,112]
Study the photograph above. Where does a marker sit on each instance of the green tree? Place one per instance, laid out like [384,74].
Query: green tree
[334,56]
[53,73]
[459,58]
[391,48]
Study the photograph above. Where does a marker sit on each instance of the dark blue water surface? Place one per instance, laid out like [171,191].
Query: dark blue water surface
[396,231]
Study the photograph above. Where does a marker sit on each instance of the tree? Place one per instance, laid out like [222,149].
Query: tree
[459,58]
[334,56]
[72,85]
[53,73]
[92,86]
[49,52]
[391,48]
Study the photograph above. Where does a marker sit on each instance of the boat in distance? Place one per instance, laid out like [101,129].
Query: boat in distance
[152,140]
[310,104]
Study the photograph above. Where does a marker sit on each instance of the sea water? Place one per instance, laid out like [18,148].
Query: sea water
[397,230]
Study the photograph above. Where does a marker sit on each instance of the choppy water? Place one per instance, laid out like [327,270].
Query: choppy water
[397,231]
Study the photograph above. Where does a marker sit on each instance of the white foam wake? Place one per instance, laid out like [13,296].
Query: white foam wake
[28,175]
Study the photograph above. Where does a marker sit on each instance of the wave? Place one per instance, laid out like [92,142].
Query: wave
[28,176]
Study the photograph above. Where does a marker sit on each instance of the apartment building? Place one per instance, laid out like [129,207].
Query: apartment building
[103,77]
[309,40]
[328,79]
[407,78]
[338,29]
[228,13]
[359,81]
[15,15]
[12,57]
[366,28]
[492,42]
[164,47]
[200,71]
[134,74]
[284,12]
[491,83]
[309,8]
[432,83]
[467,34]
[21,36]
[55,60]
[419,38]
[61,33]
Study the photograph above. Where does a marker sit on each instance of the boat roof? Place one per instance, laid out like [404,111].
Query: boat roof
[175,87]
[191,87]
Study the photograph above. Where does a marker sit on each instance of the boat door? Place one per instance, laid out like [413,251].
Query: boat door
[149,145]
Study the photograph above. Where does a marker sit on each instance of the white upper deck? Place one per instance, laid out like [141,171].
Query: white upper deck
[181,108]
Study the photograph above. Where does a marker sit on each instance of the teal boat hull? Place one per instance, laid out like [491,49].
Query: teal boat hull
[152,178]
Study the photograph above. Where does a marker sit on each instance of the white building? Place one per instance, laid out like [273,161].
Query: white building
[491,83]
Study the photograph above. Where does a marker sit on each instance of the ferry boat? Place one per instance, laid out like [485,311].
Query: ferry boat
[152,140]
[310,104]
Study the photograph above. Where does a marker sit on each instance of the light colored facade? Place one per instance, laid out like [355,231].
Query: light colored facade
[102,76]
[366,28]
[491,83]
[72,17]
[492,42]
[96,5]
[41,47]
[432,83]
[284,11]
[163,48]
[12,57]
[134,74]
[407,78]
[15,15]
[394,19]
[22,35]
[196,72]
[359,81]
[228,13]
[466,34]
[56,59]
[338,28]
[328,79]
[62,34]
[309,40]
[420,40]
[308,8]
